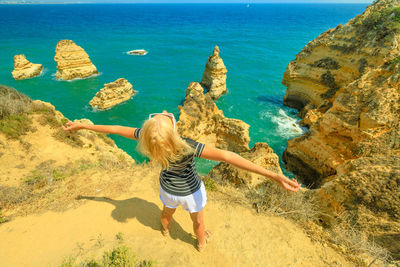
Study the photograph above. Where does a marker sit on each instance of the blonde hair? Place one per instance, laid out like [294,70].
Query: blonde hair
[162,143]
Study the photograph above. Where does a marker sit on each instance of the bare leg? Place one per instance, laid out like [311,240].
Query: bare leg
[198,226]
[166,217]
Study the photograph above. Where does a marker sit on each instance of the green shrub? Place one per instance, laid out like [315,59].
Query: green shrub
[382,23]
[328,79]
[363,64]
[395,61]
[15,125]
[70,138]
[210,184]
[35,177]
[58,175]
[2,218]
[327,63]
[118,257]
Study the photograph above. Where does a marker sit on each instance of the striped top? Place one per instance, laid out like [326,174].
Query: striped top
[181,178]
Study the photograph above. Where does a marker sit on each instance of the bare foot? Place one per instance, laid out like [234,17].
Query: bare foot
[207,237]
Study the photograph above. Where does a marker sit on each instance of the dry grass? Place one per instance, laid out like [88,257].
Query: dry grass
[272,199]
[39,184]
[15,121]
[346,235]
[12,102]
[302,208]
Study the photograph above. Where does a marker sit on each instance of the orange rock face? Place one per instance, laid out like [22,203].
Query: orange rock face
[113,94]
[351,89]
[346,84]
[72,61]
[261,154]
[23,69]
[201,120]
[214,76]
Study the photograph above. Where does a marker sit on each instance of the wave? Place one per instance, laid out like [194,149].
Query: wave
[286,126]
[54,75]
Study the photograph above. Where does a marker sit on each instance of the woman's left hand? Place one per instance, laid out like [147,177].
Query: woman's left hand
[287,184]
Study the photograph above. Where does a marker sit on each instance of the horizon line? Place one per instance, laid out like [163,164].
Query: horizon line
[191,3]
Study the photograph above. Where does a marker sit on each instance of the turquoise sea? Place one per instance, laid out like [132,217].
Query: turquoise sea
[256,44]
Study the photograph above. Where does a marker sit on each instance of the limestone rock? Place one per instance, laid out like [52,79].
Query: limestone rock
[261,154]
[23,69]
[113,94]
[361,118]
[341,55]
[72,61]
[214,77]
[347,85]
[368,190]
[201,120]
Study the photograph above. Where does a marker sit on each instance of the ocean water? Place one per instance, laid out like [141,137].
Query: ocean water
[256,44]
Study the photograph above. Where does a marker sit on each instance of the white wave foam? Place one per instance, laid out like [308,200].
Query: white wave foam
[54,75]
[43,72]
[286,125]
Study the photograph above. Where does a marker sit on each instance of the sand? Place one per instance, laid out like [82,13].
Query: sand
[241,237]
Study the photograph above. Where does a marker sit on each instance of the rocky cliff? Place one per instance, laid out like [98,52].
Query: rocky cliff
[214,76]
[201,120]
[112,94]
[23,69]
[72,61]
[261,154]
[346,84]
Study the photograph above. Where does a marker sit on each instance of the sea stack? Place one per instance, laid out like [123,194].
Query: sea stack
[23,69]
[201,120]
[72,61]
[112,94]
[346,84]
[214,77]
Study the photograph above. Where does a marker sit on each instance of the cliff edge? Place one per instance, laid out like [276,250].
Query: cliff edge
[346,85]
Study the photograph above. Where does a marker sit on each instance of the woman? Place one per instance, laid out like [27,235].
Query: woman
[180,183]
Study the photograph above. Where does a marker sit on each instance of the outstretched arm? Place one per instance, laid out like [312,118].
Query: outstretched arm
[128,132]
[212,153]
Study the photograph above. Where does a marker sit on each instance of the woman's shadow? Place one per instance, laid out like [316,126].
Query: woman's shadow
[147,213]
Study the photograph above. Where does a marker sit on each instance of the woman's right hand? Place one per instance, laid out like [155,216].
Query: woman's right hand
[73,126]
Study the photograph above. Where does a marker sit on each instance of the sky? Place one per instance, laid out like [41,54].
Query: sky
[188,1]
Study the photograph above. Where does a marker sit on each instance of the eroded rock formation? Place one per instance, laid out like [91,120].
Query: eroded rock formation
[72,61]
[214,76]
[23,69]
[113,94]
[261,154]
[346,84]
[201,120]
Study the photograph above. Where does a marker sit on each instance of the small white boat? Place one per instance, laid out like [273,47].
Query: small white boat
[137,52]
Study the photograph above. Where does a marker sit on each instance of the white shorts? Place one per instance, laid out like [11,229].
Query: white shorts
[192,203]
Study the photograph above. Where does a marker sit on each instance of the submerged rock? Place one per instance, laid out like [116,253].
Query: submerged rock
[23,69]
[113,94]
[201,120]
[214,77]
[138,52]
[72,61]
